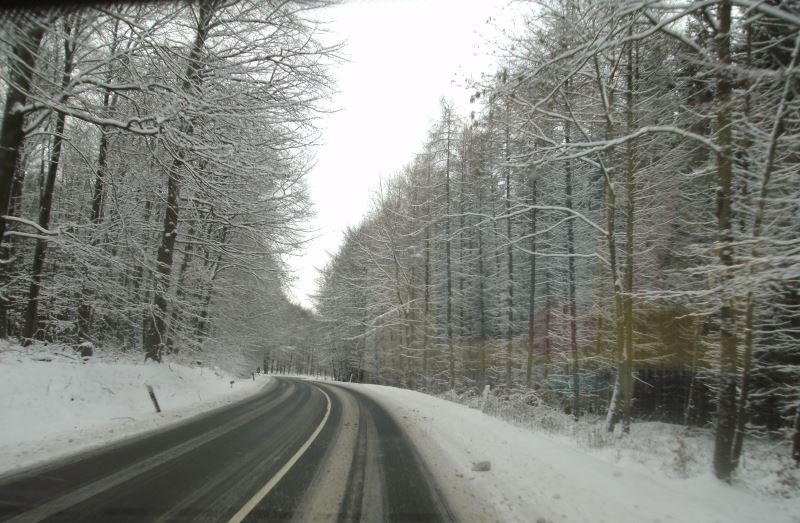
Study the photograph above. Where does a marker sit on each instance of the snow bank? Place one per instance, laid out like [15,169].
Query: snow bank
[53,403]
[536,476]
[653,448]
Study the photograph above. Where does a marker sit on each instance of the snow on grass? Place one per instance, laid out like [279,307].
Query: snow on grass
[673,451]
[537,476]
[53,403]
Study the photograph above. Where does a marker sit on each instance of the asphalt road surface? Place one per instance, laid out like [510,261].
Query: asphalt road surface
[297,451]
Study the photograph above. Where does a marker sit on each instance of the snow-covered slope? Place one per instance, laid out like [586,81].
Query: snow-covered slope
[52,403]
[536,477]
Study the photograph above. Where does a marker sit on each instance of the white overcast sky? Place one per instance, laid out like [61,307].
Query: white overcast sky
[402,57]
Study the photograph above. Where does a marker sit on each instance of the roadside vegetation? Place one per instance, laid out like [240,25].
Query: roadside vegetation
[611,232]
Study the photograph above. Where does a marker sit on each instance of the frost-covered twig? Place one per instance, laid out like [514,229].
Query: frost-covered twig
[29,223]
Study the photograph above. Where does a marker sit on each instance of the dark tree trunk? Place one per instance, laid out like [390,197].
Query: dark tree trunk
[509,264]
[21,68]
[102,171]
[96,217]
[573,320]
[202,328]
[154,329]
[532,295]
[201,331]
[627,300]
[21,71]
[547,341]
[462,328]
[726,400]
[155,325]
[45,207]
[451,356]
[481,303]
[426,307]
[747,364]
[46,202]
[179,292]
[7,250]
[427,284]
[796,438]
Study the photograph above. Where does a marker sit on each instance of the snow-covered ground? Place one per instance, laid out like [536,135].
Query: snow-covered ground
[52,403]
[542,468]
[537,476]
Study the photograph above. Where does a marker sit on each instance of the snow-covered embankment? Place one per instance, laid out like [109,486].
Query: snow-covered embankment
[538,477]
[52,403]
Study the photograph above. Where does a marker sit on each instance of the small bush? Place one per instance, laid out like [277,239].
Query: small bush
[683,459]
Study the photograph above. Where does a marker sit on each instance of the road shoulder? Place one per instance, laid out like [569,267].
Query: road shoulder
[30,457]
[464,500]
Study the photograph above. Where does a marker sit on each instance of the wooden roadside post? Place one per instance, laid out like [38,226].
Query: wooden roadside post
[153,397]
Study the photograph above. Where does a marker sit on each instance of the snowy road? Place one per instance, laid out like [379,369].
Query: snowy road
[299,450]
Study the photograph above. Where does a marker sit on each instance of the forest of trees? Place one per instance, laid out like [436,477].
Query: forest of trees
[614,229]
[152,163]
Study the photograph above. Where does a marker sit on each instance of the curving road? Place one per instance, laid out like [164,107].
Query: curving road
[297,451]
